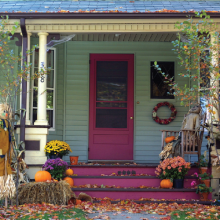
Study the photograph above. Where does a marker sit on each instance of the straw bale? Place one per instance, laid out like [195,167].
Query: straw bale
[57,193]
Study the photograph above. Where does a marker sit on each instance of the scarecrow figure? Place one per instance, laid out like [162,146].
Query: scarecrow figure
[7,185]
[192,119]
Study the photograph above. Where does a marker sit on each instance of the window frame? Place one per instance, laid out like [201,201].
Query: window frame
[151,80]
[52,89]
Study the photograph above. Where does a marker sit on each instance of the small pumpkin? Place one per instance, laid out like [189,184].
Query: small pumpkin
[169,139]
[78,201]
[69,180]
[69,172]
[42,176]
[166,183]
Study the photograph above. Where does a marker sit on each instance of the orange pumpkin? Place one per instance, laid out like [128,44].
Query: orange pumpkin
[78,202]
[169,139]
[69,172]
[42,176]
[69,180]
[166,183]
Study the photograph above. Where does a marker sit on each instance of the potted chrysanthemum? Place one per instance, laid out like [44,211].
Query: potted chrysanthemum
[56,149]
[56,167]
[174,169]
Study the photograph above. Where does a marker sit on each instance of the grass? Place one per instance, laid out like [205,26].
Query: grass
[72,213]
[189,214]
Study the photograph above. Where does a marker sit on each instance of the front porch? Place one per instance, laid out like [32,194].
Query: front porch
[69,109]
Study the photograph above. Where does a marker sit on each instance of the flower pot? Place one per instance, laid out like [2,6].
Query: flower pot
[178,183]
[53,156]
[203,170]
[203,196]
[206,182]
[74,160]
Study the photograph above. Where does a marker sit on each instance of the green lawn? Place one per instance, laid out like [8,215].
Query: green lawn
[190,214]
[42,211]
[66,214]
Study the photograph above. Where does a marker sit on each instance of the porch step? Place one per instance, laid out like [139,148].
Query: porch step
[161,201]
[145,176]
[136,194]
[97,170]
[125,181]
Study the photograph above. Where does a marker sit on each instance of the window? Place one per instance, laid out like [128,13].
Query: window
[50,87]
[159,88]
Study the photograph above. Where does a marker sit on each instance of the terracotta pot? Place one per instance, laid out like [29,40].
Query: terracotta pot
[203,170]
[74,160]
[204,196]
[206,182]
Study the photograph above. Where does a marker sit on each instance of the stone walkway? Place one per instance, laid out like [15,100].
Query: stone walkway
[125,215]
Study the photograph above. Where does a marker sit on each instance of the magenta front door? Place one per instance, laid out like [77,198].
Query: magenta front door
[111,107]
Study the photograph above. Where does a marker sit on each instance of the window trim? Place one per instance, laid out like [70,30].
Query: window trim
[151,87]
[54,90]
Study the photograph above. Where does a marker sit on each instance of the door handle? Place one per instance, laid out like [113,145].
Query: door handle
[131,117]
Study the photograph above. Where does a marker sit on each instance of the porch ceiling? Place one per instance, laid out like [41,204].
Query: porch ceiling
[137,37]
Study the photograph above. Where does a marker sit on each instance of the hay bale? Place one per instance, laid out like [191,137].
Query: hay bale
[57,193]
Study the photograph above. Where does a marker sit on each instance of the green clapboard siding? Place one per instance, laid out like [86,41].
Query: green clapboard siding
[147,135]
[72,120]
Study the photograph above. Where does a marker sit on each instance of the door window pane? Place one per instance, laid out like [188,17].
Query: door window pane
[50,79]
[49,98]
[111,81]
[35,95]
[50,117]
[111,104]
[111,118]
[36,58]
[50,59]
[36,79]
[34,115]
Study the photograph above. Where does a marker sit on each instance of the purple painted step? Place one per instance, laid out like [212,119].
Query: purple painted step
[124,182]
[97,170]
[135,195]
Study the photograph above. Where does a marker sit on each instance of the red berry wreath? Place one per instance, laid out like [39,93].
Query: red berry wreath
[164,121]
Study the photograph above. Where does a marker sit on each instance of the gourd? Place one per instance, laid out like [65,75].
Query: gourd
[42,176]
[69,172]
[69,180]
[166,183]
[169,139]
[78,201]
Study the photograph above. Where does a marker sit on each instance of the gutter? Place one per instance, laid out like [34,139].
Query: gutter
[24,82]
[103,15]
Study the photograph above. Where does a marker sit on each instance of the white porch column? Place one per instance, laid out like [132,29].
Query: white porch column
[28,122]
[42,81]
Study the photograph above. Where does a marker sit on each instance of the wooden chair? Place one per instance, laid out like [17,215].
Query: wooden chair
[191,140]
[166,133]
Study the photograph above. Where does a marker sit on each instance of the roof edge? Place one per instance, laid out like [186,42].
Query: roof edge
[106,15]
